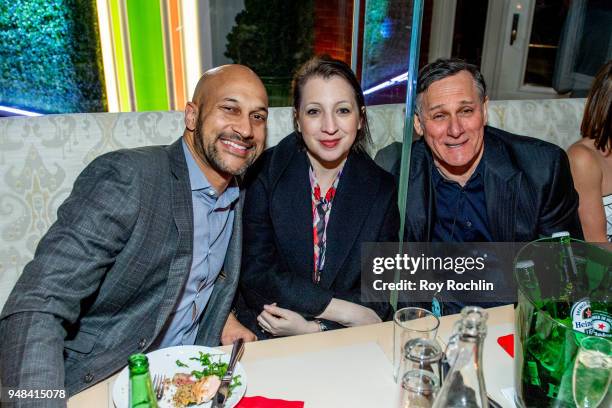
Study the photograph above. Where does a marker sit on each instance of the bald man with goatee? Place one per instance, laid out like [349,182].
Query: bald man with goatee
[145,252]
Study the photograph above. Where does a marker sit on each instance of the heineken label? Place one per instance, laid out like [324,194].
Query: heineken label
[582,319]
[601,322]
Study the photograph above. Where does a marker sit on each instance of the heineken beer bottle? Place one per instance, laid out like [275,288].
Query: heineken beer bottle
[141,389]
[574,304]
[525,271]
[601,304]
[573,281]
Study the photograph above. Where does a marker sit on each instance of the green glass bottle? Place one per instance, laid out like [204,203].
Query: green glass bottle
[574,304]
[601,304]
[525,271]
[141,388]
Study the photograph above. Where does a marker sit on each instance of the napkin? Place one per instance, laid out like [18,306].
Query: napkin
[263,402]
[507,343]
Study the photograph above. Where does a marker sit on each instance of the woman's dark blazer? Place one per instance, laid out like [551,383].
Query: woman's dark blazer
[277,260]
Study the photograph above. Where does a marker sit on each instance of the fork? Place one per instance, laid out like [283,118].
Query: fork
[158,385]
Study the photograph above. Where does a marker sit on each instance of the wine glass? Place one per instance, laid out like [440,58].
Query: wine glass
[592,372]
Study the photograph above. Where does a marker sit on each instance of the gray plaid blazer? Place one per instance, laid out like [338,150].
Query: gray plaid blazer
[108,273]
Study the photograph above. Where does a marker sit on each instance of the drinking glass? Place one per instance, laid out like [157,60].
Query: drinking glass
[411,323]
[423,354]
[419,389]
[592,372]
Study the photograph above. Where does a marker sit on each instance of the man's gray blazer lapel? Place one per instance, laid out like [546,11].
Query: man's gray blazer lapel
[183,218]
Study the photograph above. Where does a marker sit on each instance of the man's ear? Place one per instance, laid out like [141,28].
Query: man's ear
[418,127]
[191,116]
[485,110]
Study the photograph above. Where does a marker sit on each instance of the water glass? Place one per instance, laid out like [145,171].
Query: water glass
[419,389]
[423,354]
[411,323]
[592,372]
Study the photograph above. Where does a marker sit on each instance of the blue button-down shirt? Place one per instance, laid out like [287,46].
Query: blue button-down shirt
[461,216]
[213,219]
[461,212]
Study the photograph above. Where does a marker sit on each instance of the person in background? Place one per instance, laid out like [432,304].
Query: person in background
[145,252]
[591,160]
[311,202]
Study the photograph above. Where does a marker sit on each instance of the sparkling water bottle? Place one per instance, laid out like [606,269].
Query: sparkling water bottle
[464,384]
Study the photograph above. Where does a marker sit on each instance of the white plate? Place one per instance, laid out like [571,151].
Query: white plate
[163,362]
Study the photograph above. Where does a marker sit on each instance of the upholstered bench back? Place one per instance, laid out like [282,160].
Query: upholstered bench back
[41,157]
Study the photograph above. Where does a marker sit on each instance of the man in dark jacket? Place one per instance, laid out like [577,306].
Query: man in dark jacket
[474,183]
[470,182]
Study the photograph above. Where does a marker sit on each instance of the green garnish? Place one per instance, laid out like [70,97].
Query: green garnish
[179,363]
[235,383]
[209,367]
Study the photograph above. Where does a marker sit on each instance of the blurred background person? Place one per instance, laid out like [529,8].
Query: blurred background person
[591,160]
[313,200]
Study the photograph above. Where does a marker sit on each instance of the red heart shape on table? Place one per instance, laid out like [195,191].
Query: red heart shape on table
[263,402]
[507,343]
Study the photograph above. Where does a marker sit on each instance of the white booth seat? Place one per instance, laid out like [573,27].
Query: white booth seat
[41,157]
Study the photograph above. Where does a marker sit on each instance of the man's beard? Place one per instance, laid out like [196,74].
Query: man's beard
[210,154]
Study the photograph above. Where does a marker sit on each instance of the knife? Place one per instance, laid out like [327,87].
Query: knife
[223,391]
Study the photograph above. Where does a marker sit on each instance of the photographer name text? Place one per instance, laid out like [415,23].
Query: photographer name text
[425,285]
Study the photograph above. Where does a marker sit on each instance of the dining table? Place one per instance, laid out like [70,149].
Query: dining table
[349,367]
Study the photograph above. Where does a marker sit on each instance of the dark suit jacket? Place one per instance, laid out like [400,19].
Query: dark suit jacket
[529,190]
[278,232]
[108,273]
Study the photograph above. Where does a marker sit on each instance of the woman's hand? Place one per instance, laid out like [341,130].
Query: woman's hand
[349,313]
[284,322]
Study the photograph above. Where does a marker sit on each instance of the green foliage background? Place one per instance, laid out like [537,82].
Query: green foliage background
[50,58]
[374,43]
[375,15]
[273,37]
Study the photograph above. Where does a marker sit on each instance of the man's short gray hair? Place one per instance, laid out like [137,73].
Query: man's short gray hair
[443,68]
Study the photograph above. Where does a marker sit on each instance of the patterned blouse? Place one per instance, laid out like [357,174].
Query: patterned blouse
[321,208]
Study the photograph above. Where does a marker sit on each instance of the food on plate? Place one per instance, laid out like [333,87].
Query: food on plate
[190,391]
[199,386]
[182,378]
